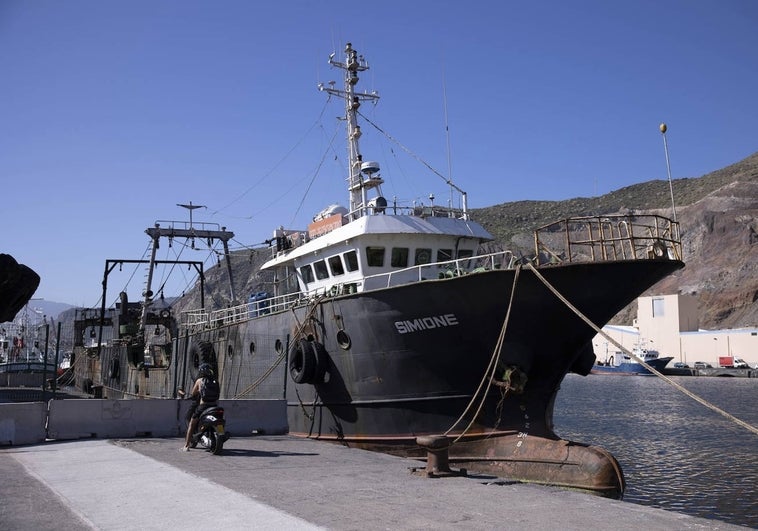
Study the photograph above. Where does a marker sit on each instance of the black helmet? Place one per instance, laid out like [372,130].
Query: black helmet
[205,370]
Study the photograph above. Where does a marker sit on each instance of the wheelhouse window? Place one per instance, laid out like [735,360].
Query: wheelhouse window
[306,273]
[375,256]
[443,255]
[335,264]
[351,260]
[422,256]
[321,271]
[399,257]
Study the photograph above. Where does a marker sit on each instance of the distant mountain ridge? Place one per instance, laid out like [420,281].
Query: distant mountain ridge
[40,309]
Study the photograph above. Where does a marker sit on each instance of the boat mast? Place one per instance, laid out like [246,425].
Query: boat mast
[357,186]
[190,233]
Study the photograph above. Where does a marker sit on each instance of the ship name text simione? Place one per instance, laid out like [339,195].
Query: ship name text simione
[426,323]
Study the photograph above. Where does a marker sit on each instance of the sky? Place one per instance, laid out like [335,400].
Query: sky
[112,113]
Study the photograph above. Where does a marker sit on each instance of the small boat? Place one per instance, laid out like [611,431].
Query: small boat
[396,327]
[622,363]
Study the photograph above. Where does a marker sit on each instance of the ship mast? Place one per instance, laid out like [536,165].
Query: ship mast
[190,233]
[358,186]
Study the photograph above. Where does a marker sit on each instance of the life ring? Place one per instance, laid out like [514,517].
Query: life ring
[303,363]
[115,370]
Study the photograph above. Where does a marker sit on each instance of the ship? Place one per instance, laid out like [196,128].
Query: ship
[622,363]
[396,328]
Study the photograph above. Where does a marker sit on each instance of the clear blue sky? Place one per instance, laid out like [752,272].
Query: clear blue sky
[113,112]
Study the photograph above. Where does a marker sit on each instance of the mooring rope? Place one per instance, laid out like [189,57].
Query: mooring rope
[489,374]
[298,332]
[640,360]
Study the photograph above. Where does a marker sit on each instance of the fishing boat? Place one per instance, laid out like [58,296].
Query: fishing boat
[386,326]
[623,363]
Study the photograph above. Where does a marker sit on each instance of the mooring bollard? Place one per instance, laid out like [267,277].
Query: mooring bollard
[437,456]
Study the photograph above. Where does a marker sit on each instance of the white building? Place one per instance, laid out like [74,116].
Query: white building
[669,324]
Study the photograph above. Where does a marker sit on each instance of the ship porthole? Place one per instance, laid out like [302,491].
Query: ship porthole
[278,346]
[343,340]
[252,347]
[230,351]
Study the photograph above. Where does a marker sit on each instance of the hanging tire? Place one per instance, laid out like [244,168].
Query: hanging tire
[202,352]
[303,362]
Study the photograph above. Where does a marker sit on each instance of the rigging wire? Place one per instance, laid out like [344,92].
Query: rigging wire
[313,179]
[165,276]
[411,153]
[278,163]
[447,132]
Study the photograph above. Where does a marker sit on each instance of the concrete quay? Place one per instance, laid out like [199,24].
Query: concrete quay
[281,482]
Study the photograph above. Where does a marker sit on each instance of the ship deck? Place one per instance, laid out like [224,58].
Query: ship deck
[280,482]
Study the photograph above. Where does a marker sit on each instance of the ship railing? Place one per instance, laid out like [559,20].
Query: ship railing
[203,319]
[198,226]
[441,270]
[608,238]
[416,210]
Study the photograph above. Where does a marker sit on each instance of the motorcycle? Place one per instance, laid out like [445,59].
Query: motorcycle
[210,432]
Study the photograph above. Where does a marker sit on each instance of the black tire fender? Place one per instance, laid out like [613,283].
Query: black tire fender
[200,352]
[303,362]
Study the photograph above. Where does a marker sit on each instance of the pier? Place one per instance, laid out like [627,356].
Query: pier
[280,482]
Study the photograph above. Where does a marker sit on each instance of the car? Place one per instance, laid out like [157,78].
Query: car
[703,365]
[681,365]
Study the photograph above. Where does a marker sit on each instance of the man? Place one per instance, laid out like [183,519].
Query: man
[205,393]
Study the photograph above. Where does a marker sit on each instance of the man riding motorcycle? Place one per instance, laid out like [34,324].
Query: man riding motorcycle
[205,394]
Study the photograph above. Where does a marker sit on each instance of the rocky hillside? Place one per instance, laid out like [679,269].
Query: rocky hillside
[718,213]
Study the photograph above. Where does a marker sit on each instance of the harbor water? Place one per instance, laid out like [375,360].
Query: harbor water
[676,453]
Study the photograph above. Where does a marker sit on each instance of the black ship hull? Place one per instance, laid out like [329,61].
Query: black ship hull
[404,362]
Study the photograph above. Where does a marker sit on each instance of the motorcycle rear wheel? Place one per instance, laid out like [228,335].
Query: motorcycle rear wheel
[214,442]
